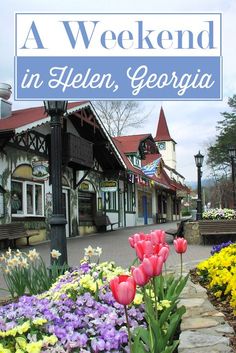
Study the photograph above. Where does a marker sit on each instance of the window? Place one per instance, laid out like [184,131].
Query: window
[135,160]
[130,200]
[87,204]
[111,204]
[26,198]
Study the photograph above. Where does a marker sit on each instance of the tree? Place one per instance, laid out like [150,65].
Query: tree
[119,116]
[218,156]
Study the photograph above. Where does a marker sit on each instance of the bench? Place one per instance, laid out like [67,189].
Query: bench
[213,228]
[102,221]
[12,231]
[179,231]
[160,218]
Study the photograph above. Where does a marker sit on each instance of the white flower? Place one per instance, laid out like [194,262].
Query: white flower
[89,251]
[33,255]
[55,254]
[98,251]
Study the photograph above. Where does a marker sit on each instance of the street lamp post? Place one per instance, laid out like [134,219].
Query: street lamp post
[232,155]
[199,161]
[56,109]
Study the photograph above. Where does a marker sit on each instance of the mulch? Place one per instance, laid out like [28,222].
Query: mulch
[222,306]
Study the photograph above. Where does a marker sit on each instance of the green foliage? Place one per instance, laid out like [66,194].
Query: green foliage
[26,273]
[159,336]
[218,156]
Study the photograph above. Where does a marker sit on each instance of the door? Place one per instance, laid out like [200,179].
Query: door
[65,203]
[121,209]
[145,210]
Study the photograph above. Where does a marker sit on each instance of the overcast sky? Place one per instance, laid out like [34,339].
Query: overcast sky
[191,124]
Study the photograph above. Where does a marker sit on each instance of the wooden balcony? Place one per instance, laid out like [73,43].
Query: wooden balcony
[77,152]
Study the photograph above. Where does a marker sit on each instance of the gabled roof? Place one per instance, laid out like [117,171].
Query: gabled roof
[130,144]
[162,133]
[26,119]
[22,117]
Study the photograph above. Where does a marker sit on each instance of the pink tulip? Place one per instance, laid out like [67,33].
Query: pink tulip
[153,265]
[180,245]
[131,242]
[139,275]
[123,288]
[158,236]
[164,252]
[143,247]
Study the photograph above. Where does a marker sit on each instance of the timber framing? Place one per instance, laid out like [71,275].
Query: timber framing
[30,141]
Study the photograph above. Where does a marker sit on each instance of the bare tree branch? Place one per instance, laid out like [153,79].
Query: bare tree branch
[119,116]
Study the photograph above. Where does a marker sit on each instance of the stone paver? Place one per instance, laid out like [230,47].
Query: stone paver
[203,328]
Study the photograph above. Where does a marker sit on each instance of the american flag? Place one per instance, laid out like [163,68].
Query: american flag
[151,168]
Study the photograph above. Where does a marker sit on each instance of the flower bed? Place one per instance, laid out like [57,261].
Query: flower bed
[97,307]
[218,213]
[219,272]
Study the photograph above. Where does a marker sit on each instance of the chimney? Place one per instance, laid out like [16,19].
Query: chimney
[5,106]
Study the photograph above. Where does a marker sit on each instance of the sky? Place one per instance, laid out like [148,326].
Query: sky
[192,124]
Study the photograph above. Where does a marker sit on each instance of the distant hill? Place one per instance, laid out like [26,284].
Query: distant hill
[205,182]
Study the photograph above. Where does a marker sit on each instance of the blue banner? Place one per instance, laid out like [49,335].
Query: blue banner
[136,78]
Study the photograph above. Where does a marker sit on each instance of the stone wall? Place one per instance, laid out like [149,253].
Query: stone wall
[191,233]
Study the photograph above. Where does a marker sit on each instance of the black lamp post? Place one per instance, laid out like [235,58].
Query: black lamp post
[232,154]
[199,161]
[56,109]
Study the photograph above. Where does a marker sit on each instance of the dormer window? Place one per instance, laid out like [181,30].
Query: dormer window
[136,161]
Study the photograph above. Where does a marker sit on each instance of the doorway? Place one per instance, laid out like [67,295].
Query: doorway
[65,205]
[145,209]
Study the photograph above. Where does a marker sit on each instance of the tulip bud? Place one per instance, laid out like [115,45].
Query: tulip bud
[180,245]
[139,275]
[123,288]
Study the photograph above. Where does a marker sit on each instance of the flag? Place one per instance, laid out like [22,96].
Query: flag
[151,168]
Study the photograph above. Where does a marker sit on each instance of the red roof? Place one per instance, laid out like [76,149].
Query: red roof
[149,158]
[120,147]
[27,116]
[162,133]
[131,143]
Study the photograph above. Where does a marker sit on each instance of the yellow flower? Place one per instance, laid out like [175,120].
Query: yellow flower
[39,321]
[23,328]
[21,342]
[138,299]
[50,339]
[4,350]
[34,347]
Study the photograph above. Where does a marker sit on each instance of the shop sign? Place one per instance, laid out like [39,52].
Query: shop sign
[40,170]
[108,186]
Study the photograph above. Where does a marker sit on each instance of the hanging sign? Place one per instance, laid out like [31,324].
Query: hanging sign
[170,56]
[40,170]
[108,186]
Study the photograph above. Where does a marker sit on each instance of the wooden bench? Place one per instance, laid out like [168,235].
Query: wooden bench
[213,228]
[160,218]
[12,231]
[102,221]
[4,233]
[179,231]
